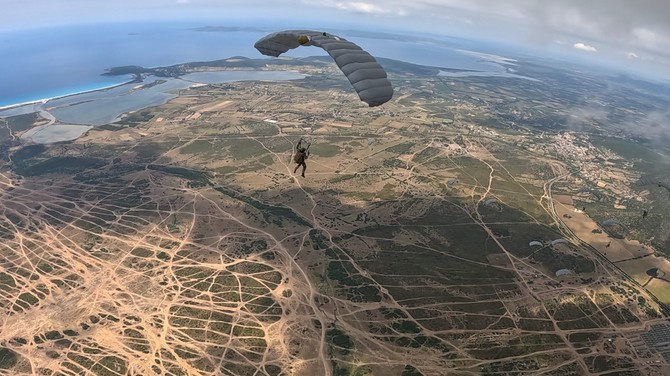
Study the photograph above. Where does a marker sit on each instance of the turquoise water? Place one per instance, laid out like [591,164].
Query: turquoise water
[46,63]
[63,91]
[103,107]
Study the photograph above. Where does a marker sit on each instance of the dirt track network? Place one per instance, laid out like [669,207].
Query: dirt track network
[181,244]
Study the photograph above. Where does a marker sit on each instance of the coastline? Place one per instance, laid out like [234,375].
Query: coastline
[45,100]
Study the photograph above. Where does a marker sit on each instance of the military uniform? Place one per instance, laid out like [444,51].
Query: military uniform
[300,157]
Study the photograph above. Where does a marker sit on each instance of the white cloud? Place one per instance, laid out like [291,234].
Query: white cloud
[583,118]
[646,38]
[614,26]
[632,55]
[584,47]
[655,126]
[359,7]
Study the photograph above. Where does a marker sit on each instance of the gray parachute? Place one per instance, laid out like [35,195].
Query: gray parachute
[647,181]
[614,222]
[562,272]
[559,241]
[366,75]
[490,202]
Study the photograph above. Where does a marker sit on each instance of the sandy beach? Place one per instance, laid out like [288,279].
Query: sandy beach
[45,100]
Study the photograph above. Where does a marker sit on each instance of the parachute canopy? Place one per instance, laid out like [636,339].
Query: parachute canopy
[535,243]
[371,141]
[366,75]
[611,222]
[647,181]
[452,181]
[558,241]
[596,193]
[562,272]
[614,222]
[490,201]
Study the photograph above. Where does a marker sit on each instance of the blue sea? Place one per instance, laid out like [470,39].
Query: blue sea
[51,62]
[45,63]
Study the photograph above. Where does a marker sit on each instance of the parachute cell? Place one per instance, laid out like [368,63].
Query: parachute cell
[364,73]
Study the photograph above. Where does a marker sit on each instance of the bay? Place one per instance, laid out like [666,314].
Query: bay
[46,63]
[104,107]
[52,62]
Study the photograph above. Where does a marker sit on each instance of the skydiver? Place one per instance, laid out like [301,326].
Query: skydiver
[301,154]
[644,214]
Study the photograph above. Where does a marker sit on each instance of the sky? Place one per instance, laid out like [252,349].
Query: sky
[624,33]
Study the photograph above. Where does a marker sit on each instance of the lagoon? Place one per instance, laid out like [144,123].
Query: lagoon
[83,111]
[58,61]
[106,106]
[219,77]
[47,134]
[485,74]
